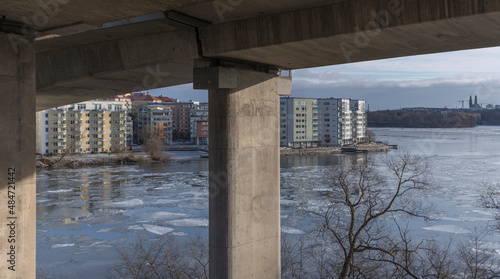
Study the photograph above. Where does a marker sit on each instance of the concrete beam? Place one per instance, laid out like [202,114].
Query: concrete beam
[72,74]
[17,153]
[244,192]
[358,30]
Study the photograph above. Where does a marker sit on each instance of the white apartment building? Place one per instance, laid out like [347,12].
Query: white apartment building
[308,122]
[359,122]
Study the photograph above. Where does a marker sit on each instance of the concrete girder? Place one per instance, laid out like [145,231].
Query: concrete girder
[353,31]
[50,15]
[104,68]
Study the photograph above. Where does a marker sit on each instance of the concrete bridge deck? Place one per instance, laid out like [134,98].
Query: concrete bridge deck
[59,51]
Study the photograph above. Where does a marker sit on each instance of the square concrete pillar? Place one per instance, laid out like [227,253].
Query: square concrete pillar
[17,156]
[244,204]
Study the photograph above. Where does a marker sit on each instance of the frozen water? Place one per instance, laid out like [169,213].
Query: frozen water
[447,228]
[194,222]
[69,213]
[127,203]
[289,230]
[157,229]
[135,227]
[96,208]
[60,191]
[161,215]
[55,246]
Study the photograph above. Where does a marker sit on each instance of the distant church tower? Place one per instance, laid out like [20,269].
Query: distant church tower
[475,100]
[470,102]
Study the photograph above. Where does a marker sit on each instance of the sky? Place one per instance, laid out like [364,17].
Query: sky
[433,80]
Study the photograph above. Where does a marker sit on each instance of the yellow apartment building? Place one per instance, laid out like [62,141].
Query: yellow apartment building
[87,127]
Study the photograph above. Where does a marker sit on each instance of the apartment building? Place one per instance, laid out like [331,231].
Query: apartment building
[87,127]
[198,118]
[359,121]
[335,122]
[309,122]
[180,118]
[298,122]
[155,120]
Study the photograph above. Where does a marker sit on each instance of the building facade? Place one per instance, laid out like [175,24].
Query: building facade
[199,124]
[155,120]
[298,122]
[181,118]
[87,127]
[309,122]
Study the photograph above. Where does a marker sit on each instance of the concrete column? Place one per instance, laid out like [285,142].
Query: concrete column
[17,153]
[244,158]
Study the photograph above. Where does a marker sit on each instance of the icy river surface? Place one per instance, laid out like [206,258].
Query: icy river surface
[84,216]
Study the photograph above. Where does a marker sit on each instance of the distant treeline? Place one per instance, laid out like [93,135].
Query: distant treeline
[490,117]
[426,119]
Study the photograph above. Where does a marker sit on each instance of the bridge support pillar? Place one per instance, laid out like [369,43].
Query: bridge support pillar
[17,152]
[244,202]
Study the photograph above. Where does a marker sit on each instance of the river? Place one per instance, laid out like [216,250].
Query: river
[85,215]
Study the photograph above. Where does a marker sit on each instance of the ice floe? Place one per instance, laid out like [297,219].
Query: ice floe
[447,228]
[193,222]
[127,203]
[60,191]
[159,230]
[62,245]
[289,230]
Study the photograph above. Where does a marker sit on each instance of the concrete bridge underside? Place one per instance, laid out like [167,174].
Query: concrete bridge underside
[234,48]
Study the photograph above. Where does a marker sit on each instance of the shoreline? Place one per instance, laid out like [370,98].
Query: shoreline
[84,160]
[371,147]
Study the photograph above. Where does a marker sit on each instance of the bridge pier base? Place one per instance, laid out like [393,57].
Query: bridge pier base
[244,203]
[17,154]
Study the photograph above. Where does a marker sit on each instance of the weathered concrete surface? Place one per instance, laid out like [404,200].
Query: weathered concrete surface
[286,34]
[244,207]
[352,31]
[50,15]
[107,67]
[17,158]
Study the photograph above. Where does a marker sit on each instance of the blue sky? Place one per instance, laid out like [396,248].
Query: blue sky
[434,80]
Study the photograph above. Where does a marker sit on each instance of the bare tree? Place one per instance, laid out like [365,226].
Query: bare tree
[490,198]
[152,137]
[477,258]
[370,135]
[361,199]
[295,256]
[165,257]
